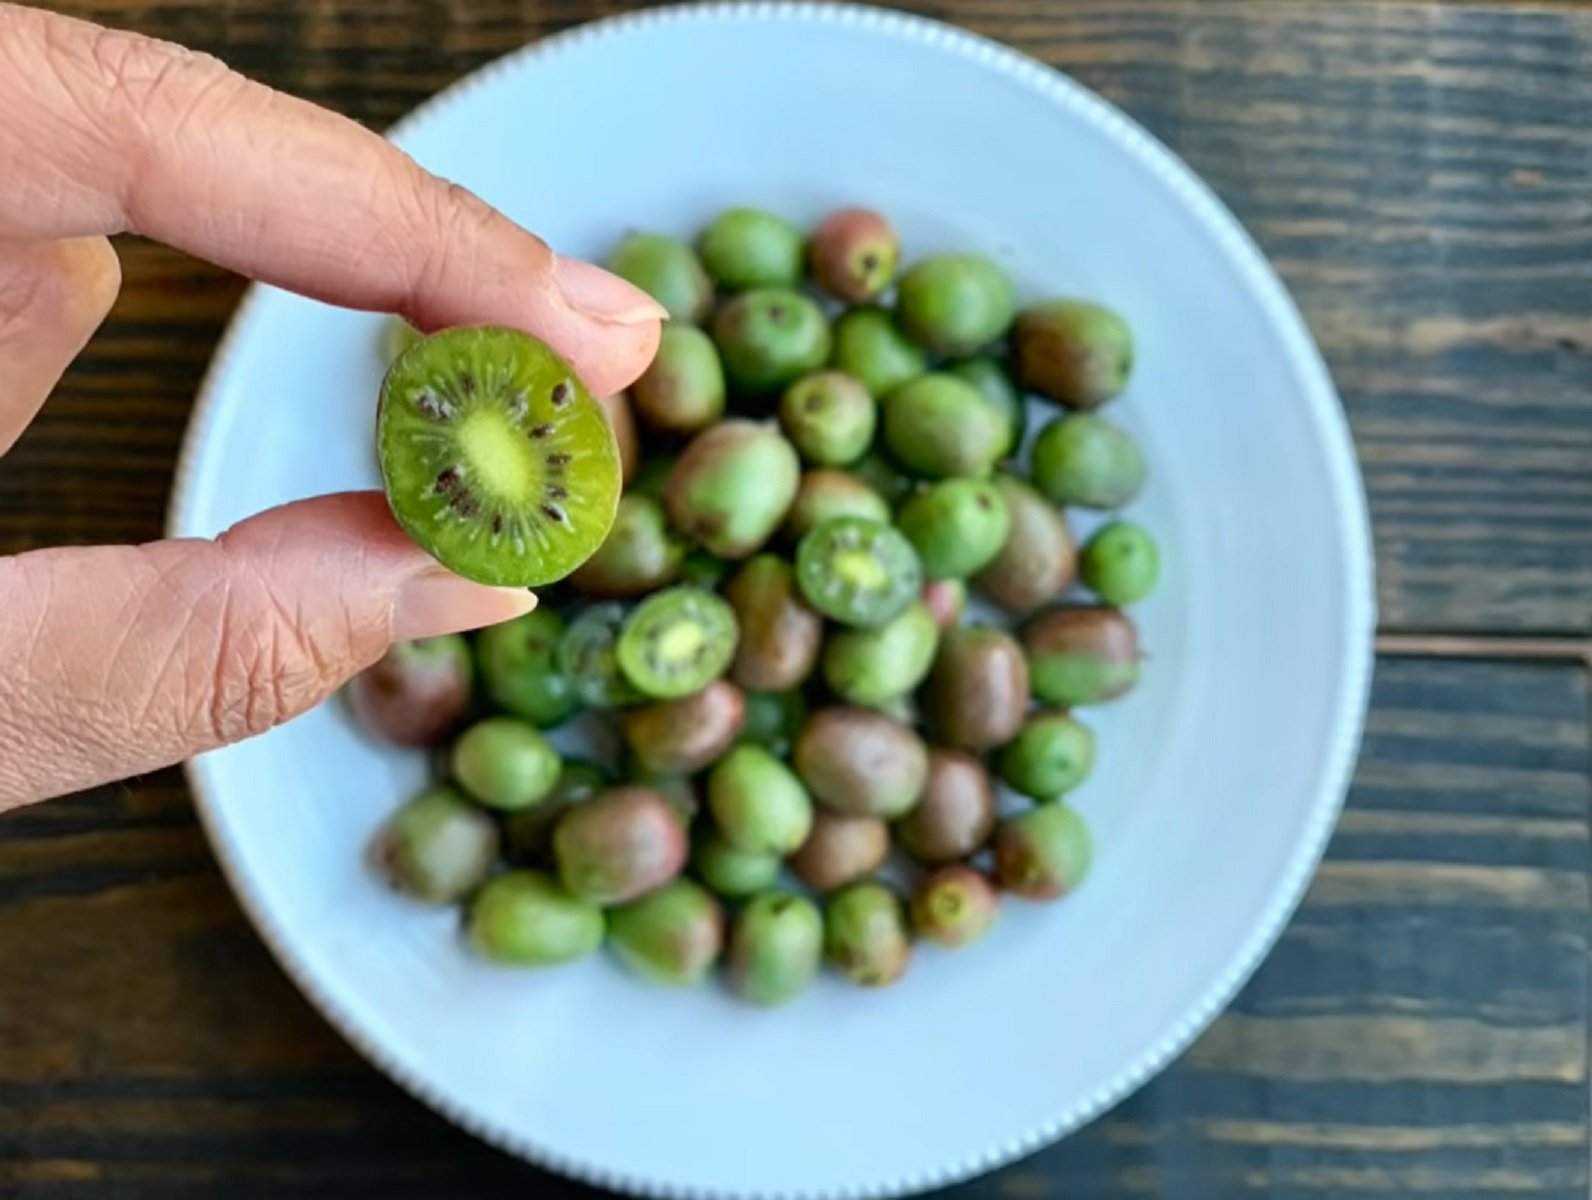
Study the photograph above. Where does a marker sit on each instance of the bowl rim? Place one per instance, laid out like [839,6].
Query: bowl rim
[1359,612]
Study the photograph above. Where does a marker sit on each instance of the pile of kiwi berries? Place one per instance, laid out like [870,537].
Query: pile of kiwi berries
[837,603]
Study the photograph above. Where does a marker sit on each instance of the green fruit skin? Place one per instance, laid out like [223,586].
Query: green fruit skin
[1077,353]
[869,348]
[825,494]
[870,667]
[1044,853]
[861,763]
[672,937]
[829,417]
[955,304]
[780,634]
[1039,559]
[769,338]
[732,487]
[619,846]
[954,907]
[940,427]
[641,554]
[526,918]
[758,802]
[957,526]
[1081,655]
[519,667]
[1120,563]
[775,949]
[884,477]
[1086,461]
[683,388]
[977,692]
[734,873]
[438,847]
[865,935]
[680,736]
[772,719]
[528,834]
[505,763]
[992,382]
[667,270]
[748,248]
[1050,756]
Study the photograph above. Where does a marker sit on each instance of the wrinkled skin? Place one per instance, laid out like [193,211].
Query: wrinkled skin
[977,693]
[416,692]
[685,735]
[956,814]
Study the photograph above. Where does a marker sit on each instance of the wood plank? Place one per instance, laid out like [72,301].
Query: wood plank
[1422,176]
[1419,1030]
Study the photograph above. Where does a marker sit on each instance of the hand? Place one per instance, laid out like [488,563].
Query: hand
[120,659]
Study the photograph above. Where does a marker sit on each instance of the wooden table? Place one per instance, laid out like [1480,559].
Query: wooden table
[1422,175]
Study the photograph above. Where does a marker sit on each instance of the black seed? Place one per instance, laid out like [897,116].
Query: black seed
[558,459]
[467,383]
[541,431]
[464,504]
[497,524]
[561,394]
[558,492]
[448,479]
[777,313]
[870,263]
[553,513]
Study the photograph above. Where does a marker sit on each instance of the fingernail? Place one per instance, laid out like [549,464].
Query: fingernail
[439,602]
[603,295]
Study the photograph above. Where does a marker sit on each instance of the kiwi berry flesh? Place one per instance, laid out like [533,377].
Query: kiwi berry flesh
[495,458]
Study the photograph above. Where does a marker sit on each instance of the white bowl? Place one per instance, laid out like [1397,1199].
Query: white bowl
[1219,779]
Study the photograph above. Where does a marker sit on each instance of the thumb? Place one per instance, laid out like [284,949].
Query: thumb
[121,659]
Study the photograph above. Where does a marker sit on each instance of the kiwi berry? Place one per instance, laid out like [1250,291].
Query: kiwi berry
[588,657]
[861,573]
[495,458]
[677,642]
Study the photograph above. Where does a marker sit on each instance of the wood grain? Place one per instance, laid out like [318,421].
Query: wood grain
[1419,1030]
[1422,175]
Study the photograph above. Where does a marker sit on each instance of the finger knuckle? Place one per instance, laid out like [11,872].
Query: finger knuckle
[266,669]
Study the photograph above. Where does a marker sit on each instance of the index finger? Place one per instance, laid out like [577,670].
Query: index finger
[123,133]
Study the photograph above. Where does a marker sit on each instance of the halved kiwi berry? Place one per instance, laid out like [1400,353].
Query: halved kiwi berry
[588,657]
[677,642]
[495,458]
[857,571]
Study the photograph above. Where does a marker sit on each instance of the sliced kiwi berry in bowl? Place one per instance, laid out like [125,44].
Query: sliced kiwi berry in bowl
[820,634]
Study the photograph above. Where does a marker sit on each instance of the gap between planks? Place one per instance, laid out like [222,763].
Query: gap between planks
[1486,646]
